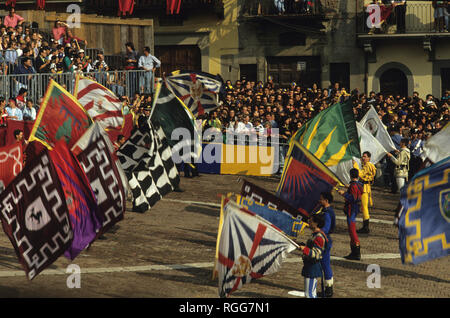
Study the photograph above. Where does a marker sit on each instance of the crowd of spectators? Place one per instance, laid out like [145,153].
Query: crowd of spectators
[254,108]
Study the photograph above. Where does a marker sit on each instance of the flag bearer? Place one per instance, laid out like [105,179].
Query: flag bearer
[312,254]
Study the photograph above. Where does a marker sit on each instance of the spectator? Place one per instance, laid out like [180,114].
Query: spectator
[29,112]
[147,62]
[100,64]
[13,19]
[58,31]
[42,64]
[13,111]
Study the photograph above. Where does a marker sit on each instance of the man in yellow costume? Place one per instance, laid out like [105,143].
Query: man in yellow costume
[366,176]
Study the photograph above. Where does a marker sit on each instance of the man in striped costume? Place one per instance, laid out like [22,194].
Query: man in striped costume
[312,254]
[351,208]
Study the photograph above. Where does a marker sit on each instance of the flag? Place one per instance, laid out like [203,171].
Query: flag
[84,213]
[94,155]
[174,117]
[249,248]
[60,117]
[375,126]
[11,163]
[436,148]
[197,90]
[304,178]
[424,223]
[331,135]
[252,191]
[99,102]
[367,142]
[147,161]
[289,225]
[97,132]
[173,6]
[35,216]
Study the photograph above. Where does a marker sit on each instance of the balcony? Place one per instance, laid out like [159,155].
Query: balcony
[301,15]
[419,22]
[148,8]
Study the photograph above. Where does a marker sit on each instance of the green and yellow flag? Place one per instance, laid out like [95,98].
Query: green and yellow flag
[331,135]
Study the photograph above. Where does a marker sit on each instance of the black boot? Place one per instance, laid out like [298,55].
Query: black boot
[328,291]
[365,228]
[355,253]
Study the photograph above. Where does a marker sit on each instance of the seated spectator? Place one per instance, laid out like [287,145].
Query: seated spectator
[13,19]
[13,111]
[29,112]
[42,64]
[70,38]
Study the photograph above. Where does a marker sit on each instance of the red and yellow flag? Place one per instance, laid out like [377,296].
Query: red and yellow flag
[60,117]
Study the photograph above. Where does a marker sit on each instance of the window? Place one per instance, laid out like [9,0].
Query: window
[340,73]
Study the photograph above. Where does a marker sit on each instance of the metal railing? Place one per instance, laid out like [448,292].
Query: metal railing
[419,18]
[122,83]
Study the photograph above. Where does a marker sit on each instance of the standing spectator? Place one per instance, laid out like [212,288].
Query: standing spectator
[13,19]
[58,31]
[147,63]
[131,64]
[25,68]
[400,14]
[3,112]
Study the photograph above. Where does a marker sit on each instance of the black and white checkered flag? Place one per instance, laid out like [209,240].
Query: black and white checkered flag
[146,158]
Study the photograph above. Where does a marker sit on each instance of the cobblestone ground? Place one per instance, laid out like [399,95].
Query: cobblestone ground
[180,231]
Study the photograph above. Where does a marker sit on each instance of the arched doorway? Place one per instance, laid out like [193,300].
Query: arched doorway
[393,82]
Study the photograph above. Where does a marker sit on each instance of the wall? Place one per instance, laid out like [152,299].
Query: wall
[111,34]
[216,38]
[416,61]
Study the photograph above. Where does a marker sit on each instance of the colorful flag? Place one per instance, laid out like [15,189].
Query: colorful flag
[367,142]
[85,216]
[436,148]
[197,90]
[289,225]
[11,163]
[304,178]
[174,117]
[94,155]
[99,102]
[249,248]
[331,135]
[147,161]
[424,222]
[173,6]
[372,122]
[60,117]
[35,216]
[252,191]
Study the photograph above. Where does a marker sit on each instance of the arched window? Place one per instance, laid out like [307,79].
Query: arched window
[393,82]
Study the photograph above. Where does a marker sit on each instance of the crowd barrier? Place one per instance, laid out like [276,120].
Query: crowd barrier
[121,83]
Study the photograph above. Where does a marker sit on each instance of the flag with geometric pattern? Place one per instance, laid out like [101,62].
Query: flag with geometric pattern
[35,216]
[249,247]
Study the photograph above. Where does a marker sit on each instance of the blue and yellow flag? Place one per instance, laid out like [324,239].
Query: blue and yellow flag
[289,225]
[304,178]
[424,223]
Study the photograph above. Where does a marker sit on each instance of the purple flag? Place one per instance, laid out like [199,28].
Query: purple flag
[83,210]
